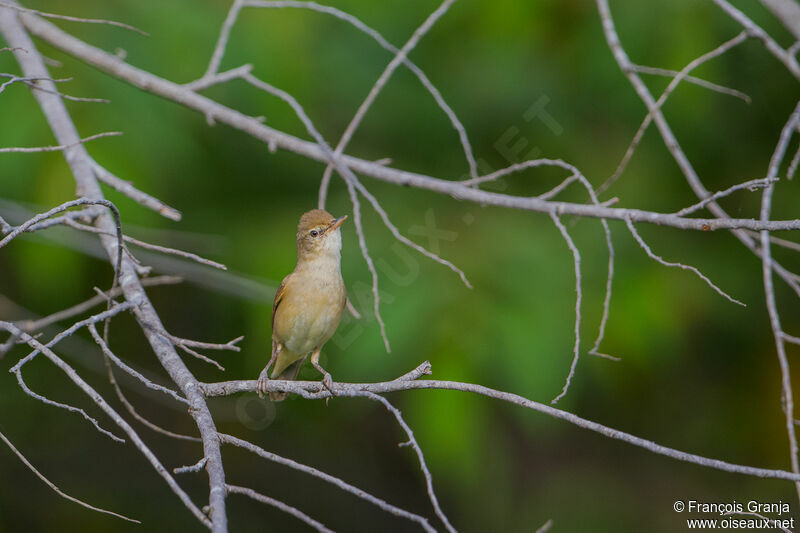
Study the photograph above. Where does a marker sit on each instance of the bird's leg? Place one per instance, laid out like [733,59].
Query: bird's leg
[261,387]
[327,380]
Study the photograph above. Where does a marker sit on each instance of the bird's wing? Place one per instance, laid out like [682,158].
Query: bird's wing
[278,297]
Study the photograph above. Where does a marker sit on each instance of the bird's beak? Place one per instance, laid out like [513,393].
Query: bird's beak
[336,223]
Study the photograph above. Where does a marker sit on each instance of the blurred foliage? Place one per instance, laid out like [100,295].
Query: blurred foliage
[697,373]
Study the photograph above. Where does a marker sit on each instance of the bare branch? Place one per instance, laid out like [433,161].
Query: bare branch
[27,390]
[672,144]
[100,317]
[362,242]
[135,414]
[156,85]
[311,389]
[109,411]
[653,256]
[29,326]
[655,71]
[31,83]
[223,77]
[198,466]
[424,80]
[56,489]
[229,439]
[286,508]
[222,41]
[72,19]
[769,291]
[652,110]
[62,146]
[154,247]
[794,164]
[413,443]
[149,384]
[378,87]
[81,166]
[788,12]
[133,193]
[400,237]
[756,31]
[751,185]
[576,256]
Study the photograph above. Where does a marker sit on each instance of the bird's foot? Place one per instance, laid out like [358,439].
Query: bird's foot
[261,386]
[327,383]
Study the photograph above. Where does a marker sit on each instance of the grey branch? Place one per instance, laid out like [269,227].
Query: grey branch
[179,94]
[788,12]
[286,508]
[17,7]
[412,441]
[29,326]
[81,166]
[787,399]
[133,193]
[229,439]
[576,257]
[312,390]
[655,71]
[60,147]
[111,413]
[659,259]
[56,489]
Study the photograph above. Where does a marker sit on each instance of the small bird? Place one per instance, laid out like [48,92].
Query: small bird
[309,303]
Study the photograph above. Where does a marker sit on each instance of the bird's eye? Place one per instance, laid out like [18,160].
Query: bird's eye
[314,233]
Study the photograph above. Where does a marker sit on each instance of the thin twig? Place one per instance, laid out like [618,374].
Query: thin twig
[659,259]
[222,40]
[576,257]
[673,84]
[672,144]
[60,147]
[198,466]
[378,502]
[756,31]
[312,150]
[56,489]
[412,441]
[135,414]
[71,408]
[424,80]
[285,507]
[751,185]
[108,410]
[692,79]
[29,326]
[133,193]
[769,291]
[378,87]
[73,19]
[79,162]
[790,172]
[154,247]
[130,371]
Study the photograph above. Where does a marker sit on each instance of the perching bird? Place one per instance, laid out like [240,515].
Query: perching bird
[309,302]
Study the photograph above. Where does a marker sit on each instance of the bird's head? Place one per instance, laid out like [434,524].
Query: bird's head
[318,235]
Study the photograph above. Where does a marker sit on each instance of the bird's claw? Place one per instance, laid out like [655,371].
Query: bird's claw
[261,386]
[327,383]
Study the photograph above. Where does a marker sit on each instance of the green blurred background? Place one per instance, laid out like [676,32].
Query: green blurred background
[697,372]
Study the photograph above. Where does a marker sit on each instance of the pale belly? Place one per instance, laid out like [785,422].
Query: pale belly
[309,316]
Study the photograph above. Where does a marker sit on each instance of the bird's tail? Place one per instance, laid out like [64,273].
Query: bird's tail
[286,368]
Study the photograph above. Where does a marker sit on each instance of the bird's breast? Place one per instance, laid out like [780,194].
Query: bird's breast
[310,309]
